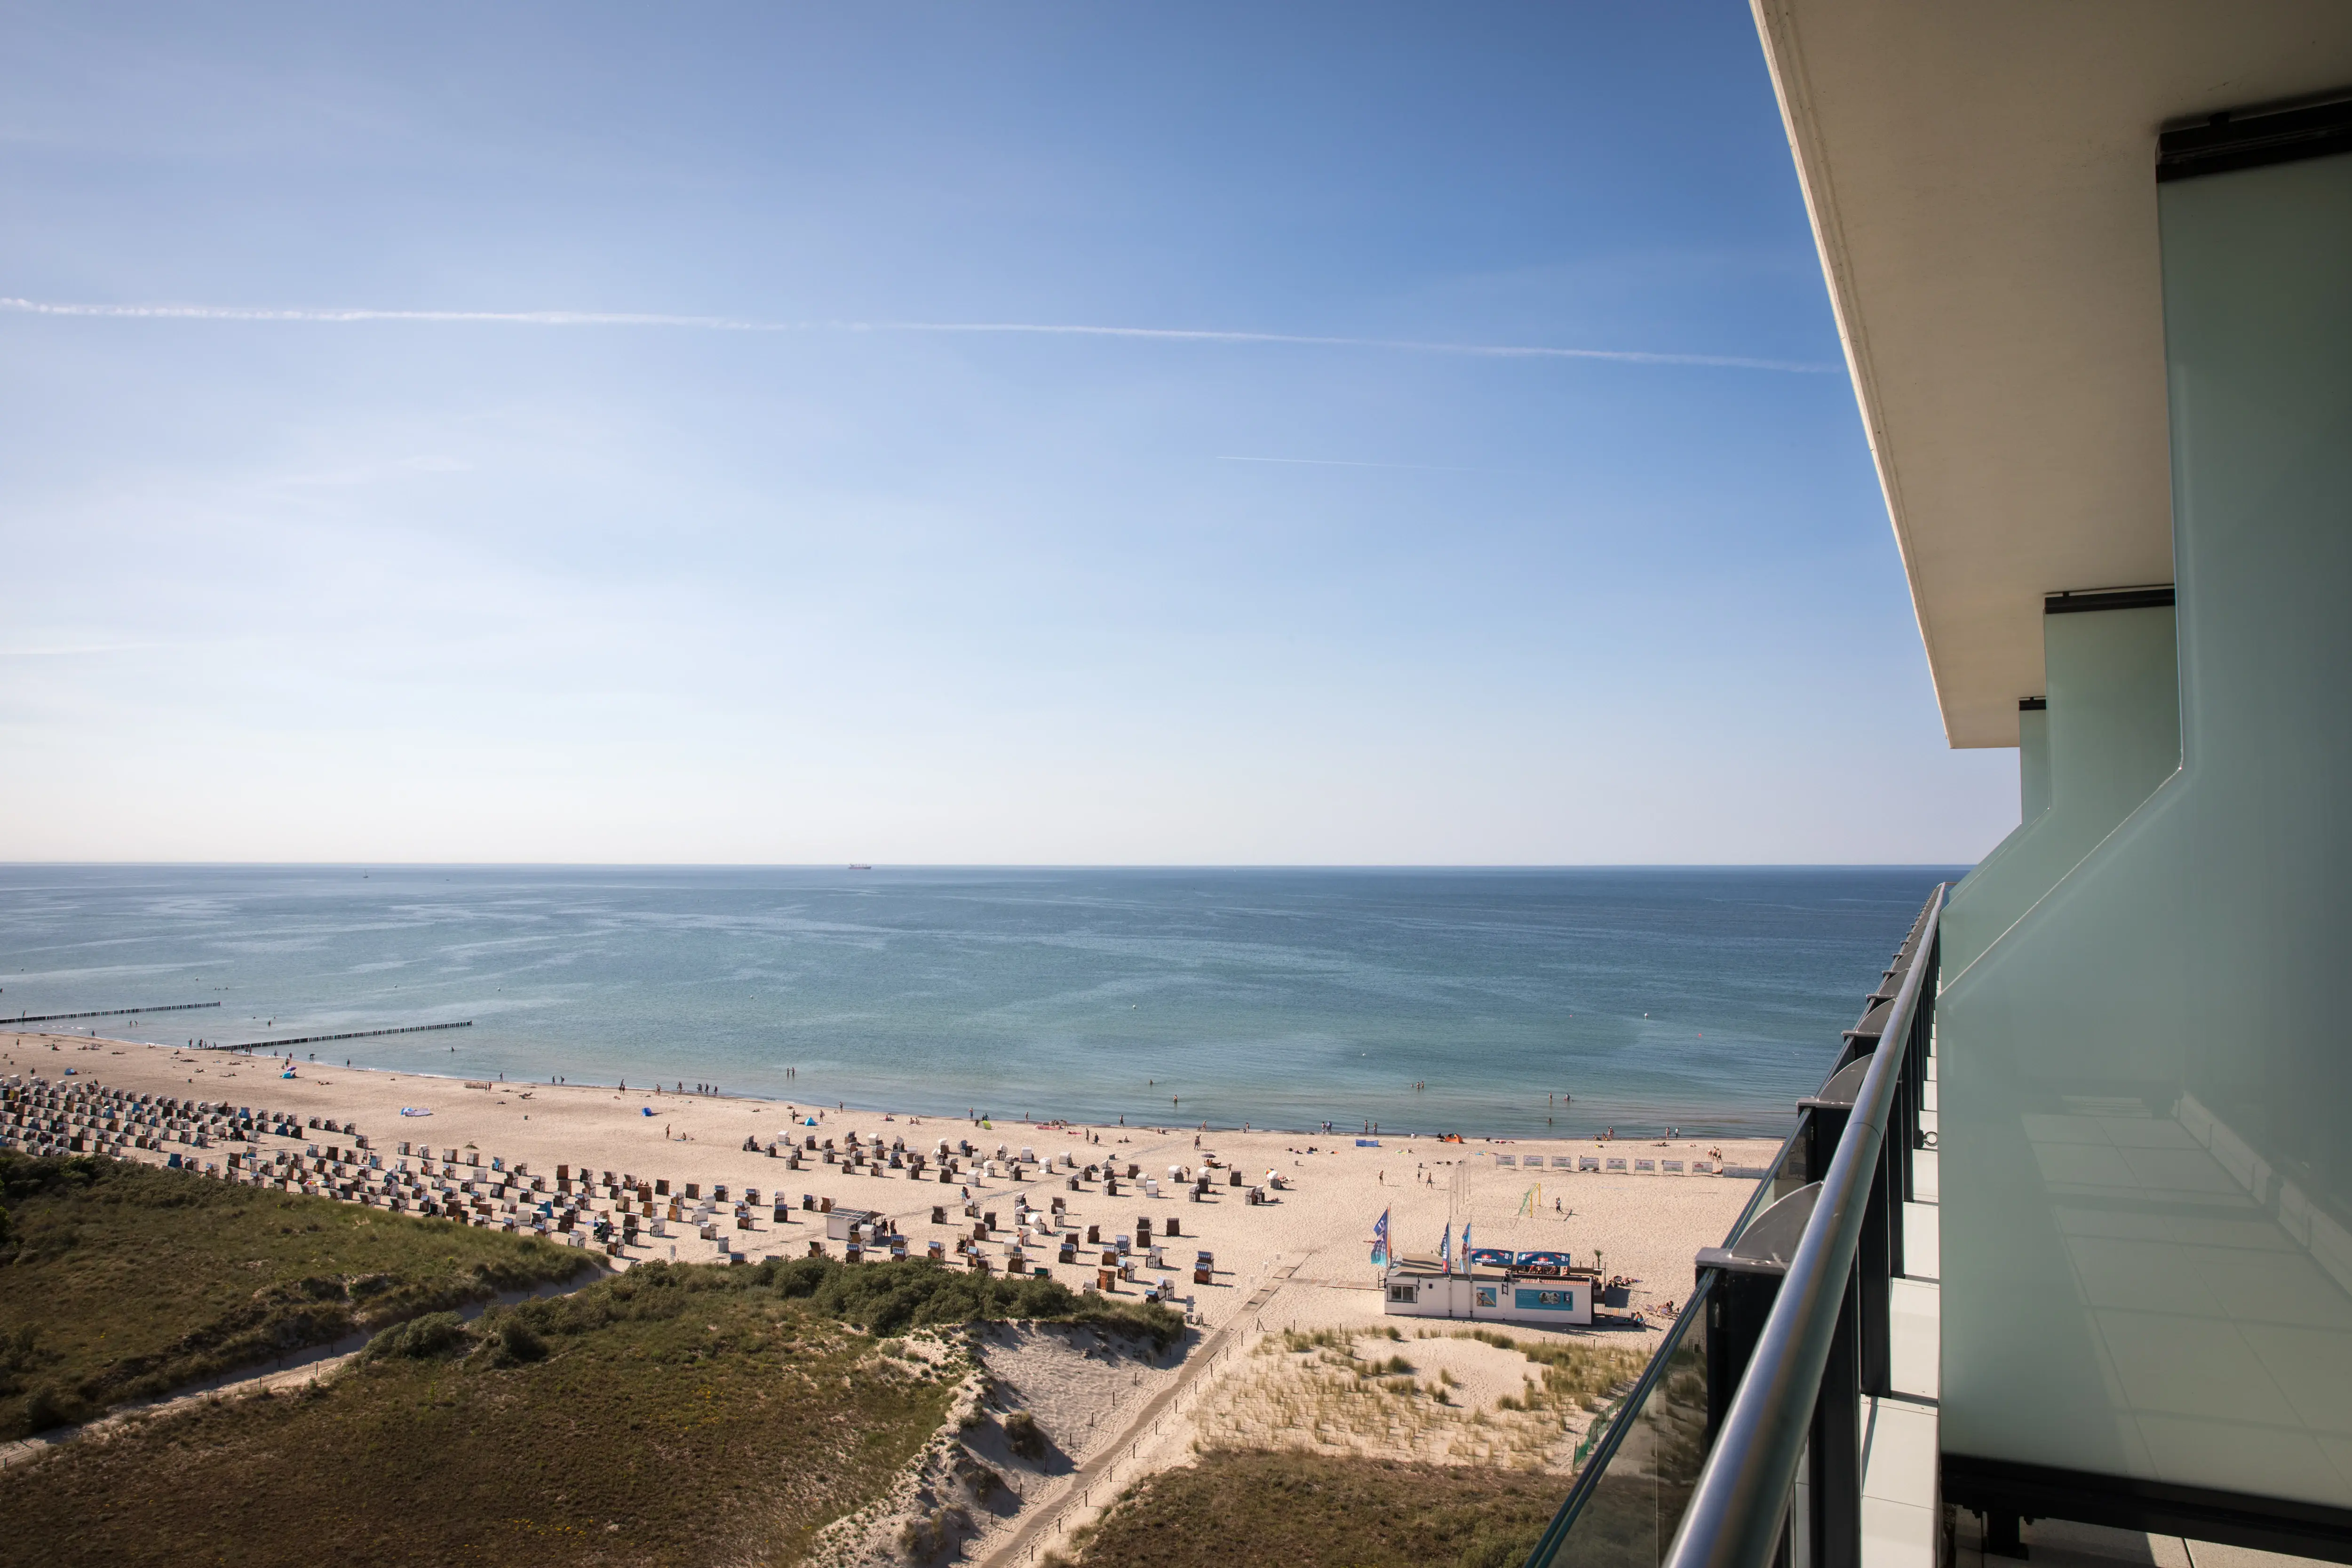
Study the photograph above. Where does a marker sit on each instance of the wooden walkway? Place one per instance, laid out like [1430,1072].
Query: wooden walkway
[1098,1470]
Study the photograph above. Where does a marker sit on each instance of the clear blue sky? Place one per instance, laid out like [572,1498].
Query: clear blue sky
[803,571]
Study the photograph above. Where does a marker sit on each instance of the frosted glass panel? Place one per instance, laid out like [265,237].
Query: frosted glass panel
[2032,765]
[2033,796]
[2112,734]
[2147,1082]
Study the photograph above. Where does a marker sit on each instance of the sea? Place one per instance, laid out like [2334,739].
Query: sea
[1496,1002]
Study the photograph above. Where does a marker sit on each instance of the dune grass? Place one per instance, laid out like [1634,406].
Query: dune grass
[1321,1510]
[888,1298]
[1324,1391]
[122,1281]
[677,1415]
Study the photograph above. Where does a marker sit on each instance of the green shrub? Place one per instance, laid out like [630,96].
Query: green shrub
[47,1407]
[419,1339]
[516,1344]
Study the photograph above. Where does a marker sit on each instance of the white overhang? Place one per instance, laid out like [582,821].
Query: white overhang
[1982,183]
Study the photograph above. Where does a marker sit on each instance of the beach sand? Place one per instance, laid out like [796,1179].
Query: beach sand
[1297,1262]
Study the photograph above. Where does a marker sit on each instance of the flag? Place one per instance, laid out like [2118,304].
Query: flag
[1465,1244]
[1380,1242]
[1445,1247]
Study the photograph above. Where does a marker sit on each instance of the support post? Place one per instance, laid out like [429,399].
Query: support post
[1735,1311]
[1873,1262]
[1835,1447]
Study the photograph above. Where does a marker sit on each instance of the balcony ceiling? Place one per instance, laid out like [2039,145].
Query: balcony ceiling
[1982,183]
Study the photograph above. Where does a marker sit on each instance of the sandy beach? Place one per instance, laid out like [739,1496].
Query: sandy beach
[1298,1262]
[1645,1227]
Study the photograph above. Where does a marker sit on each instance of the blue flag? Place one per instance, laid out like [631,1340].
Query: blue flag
[1445,1247]
[1380,1242]
[1465,1244]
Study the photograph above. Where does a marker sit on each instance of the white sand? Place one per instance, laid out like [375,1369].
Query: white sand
[1646,1227]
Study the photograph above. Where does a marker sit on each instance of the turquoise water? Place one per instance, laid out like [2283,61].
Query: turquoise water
[1708,999]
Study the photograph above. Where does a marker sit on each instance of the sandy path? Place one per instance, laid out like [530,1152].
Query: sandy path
[311,1371]
[310,1366]
[1046,1522]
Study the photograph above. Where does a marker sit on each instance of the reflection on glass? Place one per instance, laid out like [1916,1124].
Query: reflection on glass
[1630,1513]
[1637,1466]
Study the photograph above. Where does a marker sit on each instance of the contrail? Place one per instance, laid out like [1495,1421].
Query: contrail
[1349,463]
[1031,329]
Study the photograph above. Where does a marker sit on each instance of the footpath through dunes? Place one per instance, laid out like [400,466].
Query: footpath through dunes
[681,1414]
[122,1281]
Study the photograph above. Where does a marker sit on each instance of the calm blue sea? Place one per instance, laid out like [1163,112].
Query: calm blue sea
[1709,999]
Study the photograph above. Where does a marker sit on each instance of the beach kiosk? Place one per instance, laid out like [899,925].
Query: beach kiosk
[1494,1288]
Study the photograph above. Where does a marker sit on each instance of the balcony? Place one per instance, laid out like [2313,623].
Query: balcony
[1790,1417]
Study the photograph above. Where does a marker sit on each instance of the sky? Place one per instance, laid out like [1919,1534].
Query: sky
[1039,433]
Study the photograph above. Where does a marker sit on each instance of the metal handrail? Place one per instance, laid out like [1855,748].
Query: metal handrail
[1734,1516]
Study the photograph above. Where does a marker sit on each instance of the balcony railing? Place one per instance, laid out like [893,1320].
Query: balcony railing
[1740,1444]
